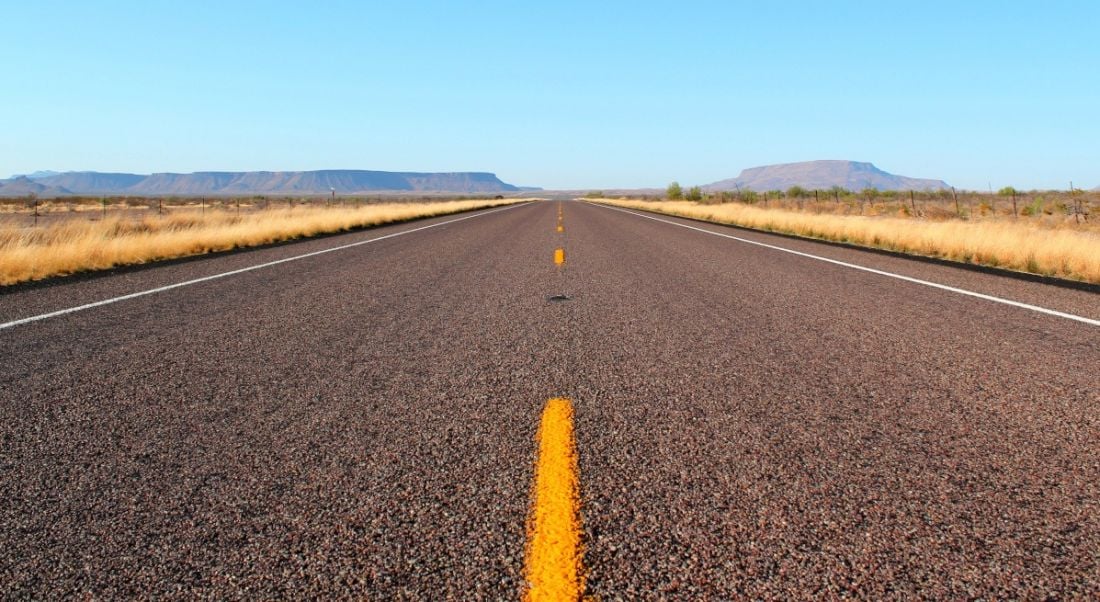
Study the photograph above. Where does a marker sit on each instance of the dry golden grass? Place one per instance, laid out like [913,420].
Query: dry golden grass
[72,246]
[1021,245]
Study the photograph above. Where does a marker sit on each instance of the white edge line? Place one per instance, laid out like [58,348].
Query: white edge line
[161,289]
[1035,308]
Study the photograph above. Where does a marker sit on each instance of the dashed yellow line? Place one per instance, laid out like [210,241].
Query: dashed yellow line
[559,256]
[554,553]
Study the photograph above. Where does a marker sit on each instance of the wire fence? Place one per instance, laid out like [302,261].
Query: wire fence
[1078,207]
[33,211]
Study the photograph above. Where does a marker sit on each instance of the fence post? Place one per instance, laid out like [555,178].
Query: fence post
[1076,209]
[1014,212]
[912,203]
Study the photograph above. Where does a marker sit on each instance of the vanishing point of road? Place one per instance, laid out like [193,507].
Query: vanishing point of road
[553,399]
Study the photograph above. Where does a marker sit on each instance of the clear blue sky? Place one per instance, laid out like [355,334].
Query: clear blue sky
[563,95]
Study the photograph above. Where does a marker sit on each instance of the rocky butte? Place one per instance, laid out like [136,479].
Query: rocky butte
[852,175]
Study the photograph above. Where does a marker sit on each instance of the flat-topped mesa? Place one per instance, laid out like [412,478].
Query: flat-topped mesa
[822,175]
[343,181]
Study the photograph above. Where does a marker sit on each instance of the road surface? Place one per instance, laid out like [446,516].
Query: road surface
[365,423]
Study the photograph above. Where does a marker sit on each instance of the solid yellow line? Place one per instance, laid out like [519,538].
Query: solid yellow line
[554,553]
[559,256]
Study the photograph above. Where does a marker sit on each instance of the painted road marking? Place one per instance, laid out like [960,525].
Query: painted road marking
[161,289]
[559,256]
[1035,308]
[554,552]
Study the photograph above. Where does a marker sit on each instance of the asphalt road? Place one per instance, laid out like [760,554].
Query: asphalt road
[361,423]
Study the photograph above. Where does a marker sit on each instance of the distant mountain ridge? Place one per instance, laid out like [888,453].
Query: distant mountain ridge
[25,186]
[853,175]
[38,174]
[343,181]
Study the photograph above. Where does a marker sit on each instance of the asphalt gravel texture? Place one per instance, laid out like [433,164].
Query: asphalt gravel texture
[360,424]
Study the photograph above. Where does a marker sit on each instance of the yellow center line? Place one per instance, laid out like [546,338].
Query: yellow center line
[559,256]
[554,553]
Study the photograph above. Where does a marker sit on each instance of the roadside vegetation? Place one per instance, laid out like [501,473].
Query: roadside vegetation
[1046,233]
[69,245]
